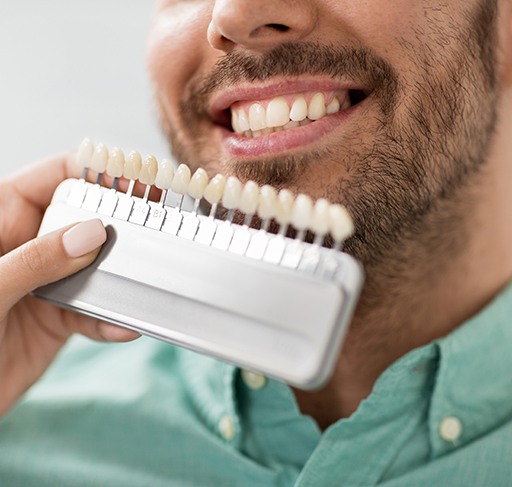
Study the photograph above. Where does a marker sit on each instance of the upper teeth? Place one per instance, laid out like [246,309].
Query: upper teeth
[259,118]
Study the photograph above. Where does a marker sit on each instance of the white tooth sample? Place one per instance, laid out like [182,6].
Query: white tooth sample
[333,107]
[320,222]
[284,207]
[165,174]
[268,202]
[257,117]
[234,122]
[181,179]
[215,189]
[243,121]
[302,212]
[346,104]
[115,164]
[232,193]
[299,110]
[132,165]
[99,159]
[341,225]
[316,108]
[149,170]
[278,113]
[84,153]
[249,198]
[198,184]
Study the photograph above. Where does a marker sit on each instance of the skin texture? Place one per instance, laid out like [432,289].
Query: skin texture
[421,163]
[32,331]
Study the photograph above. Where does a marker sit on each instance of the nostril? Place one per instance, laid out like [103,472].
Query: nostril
[279,27]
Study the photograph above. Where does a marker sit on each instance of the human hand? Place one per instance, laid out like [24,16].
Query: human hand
[33,331]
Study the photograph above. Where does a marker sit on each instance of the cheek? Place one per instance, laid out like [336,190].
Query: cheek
[177,49]
[378,23]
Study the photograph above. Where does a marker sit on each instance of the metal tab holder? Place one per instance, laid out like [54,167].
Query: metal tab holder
[189,227]
[124,207]
[93,198]
[172,222]
[258,245]
[292,254]
[108,203]
[240,241]
[223,236]
[275,249]
[284,323]
[156,216]
[206,231]
[140,211]
[77,193]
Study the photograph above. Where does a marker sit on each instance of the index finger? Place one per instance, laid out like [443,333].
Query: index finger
[36,182]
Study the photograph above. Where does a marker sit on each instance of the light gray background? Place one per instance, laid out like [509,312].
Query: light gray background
[70,69]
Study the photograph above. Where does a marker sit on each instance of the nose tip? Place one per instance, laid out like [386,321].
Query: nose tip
[259,25]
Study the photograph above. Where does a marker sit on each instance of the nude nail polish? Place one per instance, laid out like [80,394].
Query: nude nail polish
[84,238]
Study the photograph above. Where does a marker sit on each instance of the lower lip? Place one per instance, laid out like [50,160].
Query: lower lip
[286,140]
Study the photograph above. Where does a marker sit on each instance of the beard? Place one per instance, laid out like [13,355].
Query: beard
[432,132]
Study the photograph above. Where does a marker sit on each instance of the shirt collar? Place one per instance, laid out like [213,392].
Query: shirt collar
[465,375]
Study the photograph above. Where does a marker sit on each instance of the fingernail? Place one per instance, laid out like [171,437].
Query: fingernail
[84,238]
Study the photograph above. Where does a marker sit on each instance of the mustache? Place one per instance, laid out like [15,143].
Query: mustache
[357,64]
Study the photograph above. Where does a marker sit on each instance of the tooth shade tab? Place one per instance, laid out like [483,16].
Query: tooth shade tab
[198,184]
[302,212]
[165,174]
[250,198]
[341,225]
[320,221]
[232,193]
[115,164]
[132,165]
[268,202]
[285,200]
[215,189]
[148,170]
[181,179]
[99,159]
[84,153]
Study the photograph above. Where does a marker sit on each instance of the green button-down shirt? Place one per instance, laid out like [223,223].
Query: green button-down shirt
[149,414]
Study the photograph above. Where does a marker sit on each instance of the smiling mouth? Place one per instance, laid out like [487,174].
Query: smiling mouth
[253,119]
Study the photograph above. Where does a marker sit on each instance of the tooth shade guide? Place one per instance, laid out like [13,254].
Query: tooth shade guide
[305,224]
[84,156]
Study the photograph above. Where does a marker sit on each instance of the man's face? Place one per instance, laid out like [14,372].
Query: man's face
[418,85]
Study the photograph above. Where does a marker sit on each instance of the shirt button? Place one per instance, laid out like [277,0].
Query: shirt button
[253,380]
[450,428]
[227,427]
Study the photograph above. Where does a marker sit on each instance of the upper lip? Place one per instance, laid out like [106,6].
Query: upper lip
[222,100]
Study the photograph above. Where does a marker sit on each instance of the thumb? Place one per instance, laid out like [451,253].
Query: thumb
[47,259]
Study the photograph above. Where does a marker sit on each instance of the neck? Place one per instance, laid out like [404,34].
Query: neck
[427,287]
